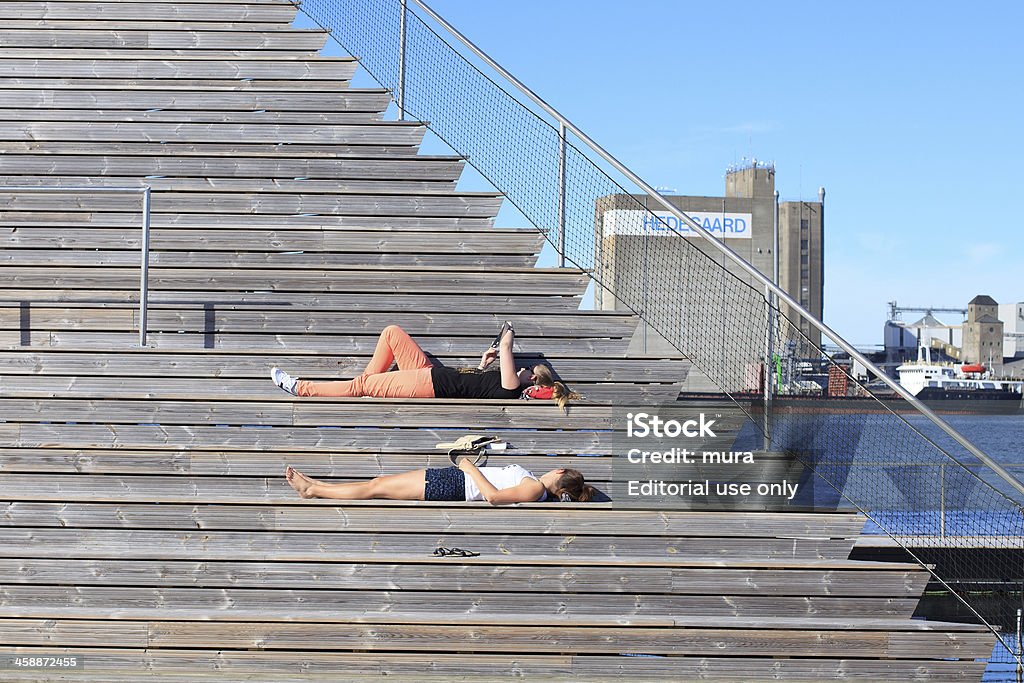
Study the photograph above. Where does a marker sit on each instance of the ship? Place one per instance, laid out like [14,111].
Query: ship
[964,383]
[946,388]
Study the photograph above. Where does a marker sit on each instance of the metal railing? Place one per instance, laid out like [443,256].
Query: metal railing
[770,286]
[144,247]
[728,318]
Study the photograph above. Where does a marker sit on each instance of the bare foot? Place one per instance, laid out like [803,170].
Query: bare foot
[300,482]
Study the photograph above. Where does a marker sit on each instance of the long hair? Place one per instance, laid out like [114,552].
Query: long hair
[542,377]
[570,487]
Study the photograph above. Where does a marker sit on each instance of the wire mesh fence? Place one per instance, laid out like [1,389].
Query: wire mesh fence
[860,451]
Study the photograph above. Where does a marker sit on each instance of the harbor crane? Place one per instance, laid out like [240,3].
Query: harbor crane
[896,311]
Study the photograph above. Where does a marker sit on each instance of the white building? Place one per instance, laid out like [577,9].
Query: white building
[1012,316]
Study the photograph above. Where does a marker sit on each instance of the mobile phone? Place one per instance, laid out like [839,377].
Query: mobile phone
[505,327]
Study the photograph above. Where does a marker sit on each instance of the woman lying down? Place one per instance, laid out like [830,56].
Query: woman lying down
[496,485]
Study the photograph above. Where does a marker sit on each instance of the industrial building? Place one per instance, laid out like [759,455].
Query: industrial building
[983,334]
[902,338]
[986,332]
[635,248]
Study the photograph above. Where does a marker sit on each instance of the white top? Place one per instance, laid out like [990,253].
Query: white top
[501,478]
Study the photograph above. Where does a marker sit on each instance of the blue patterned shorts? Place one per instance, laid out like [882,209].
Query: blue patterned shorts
[444,483]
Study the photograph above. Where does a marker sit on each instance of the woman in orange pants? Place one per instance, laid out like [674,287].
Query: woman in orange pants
[417,377]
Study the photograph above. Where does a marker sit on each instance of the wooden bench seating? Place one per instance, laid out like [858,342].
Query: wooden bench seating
[145,522]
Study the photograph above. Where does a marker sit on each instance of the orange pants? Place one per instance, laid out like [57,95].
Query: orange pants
[411,380]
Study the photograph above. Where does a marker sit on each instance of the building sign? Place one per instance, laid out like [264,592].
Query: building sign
[633,222]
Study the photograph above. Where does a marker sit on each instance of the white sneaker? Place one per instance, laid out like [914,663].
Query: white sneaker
[284,380]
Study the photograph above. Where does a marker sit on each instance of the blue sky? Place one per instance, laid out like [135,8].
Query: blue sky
[908,114]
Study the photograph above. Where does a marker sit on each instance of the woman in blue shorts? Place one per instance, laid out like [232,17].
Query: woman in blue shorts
[496,485]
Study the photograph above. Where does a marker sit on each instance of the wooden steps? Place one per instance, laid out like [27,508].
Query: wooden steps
[144,520]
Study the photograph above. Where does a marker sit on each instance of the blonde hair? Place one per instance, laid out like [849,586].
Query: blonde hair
[562,394]
[570,487]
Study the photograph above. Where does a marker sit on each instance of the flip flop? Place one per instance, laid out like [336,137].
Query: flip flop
[454,552]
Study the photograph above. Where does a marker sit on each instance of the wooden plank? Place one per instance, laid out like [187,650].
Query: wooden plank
[73,632]
[482,242]
[276,546]
[221,2]
[806,643]
[234,149]
[409,606]
[475,205]
[213,86]
[894,626]
[189,84]
[753,642]
[435,169]
[219,389]
[215,259]
[112,24]
[530,332]
[418,577]
[351,280]
[602,393]
[238,463]
[228,365]
[129,223]
[424,413]
[482,303]
[132,222]
[241,185]
[297,39]
[202,437]
[550,519]
[275,13]
[230,665]
[236,491]
[186,116]
[437,204]
[376,133]
[106,339]
[319,69]
[143,54]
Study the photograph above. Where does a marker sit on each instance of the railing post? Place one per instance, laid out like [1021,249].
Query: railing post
[942,500]
[769,371]
[561,195]
[144,269]
[1020,649]
[400,95]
